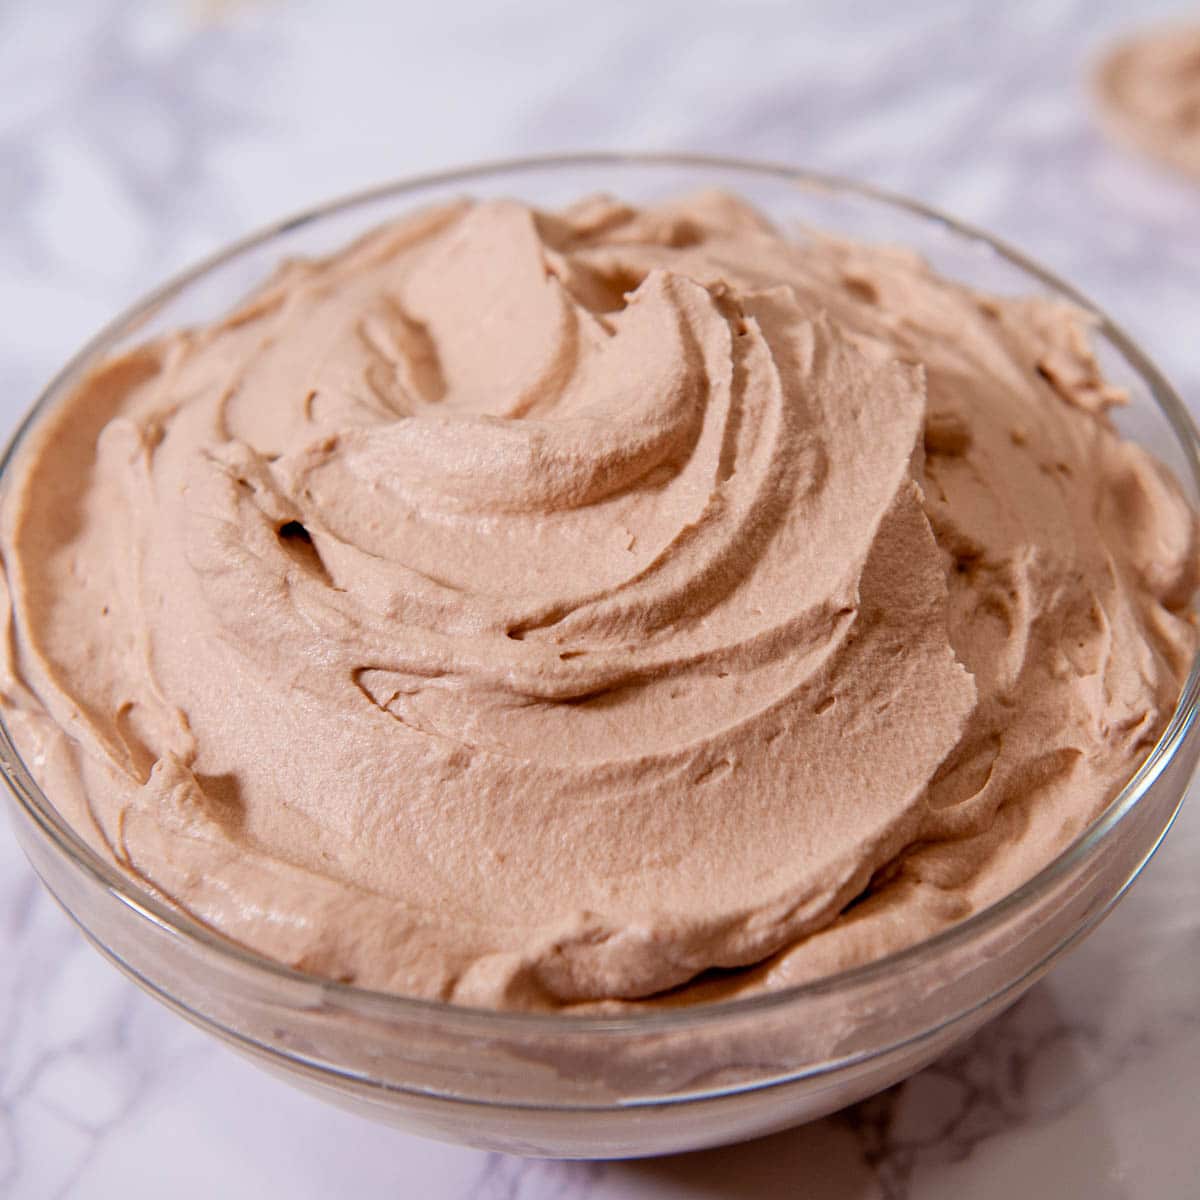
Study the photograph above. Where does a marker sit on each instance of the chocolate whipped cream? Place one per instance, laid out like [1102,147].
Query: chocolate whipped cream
[535,610]
[1148,89]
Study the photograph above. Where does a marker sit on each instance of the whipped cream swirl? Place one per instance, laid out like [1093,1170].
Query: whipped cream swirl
[536,609]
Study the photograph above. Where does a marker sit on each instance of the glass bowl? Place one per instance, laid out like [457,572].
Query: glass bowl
[647,1083]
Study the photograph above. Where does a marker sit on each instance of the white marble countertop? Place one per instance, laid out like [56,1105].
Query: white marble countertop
[135,137]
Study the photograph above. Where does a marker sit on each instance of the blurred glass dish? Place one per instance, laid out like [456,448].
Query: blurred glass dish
[644,1083]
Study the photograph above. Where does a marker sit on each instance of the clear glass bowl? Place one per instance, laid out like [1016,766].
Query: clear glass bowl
[647,1083]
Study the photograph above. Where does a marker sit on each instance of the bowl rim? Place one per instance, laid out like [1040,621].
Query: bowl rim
[180,924]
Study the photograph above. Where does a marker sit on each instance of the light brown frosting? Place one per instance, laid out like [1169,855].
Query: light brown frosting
[1148,89]
[534,609]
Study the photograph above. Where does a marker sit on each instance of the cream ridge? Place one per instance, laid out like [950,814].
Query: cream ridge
[592,609]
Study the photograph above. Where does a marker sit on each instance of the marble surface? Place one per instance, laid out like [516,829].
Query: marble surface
[135,137]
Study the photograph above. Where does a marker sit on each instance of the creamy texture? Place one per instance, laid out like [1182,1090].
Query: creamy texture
[534,609]
[1149,93]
